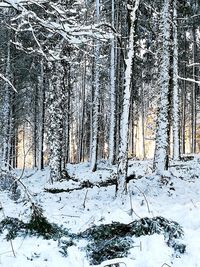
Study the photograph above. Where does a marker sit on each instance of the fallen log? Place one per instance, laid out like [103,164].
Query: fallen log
[88,184]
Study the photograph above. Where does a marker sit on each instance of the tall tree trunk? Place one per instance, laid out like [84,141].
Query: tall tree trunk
[35,128]
[124,123]
[194,90]
[143,122]
[112,94]
[6,110]
[96,100]
[41,119]
[55,118]
[183,101]
[67,84]
[81,135]
[176,123]
[162,133]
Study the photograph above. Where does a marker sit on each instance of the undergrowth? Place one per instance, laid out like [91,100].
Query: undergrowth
[114,240]
[37,226]
[104,241]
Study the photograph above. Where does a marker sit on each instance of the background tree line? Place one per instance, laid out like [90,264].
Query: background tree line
[99,80]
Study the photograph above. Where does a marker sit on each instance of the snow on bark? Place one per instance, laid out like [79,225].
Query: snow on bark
[112,95]
[55,118]
[162,134]
[41,116]
[95,101]
[124,122]
[176,143]
[6,112]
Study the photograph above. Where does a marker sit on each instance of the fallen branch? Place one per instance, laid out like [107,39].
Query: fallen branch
[88,184]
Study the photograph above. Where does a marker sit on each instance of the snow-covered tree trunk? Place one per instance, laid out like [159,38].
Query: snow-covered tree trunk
[55,118]
[82,114]
[162,133]
[6,111]
[112,95]
[124,122]
[35,127]
[183,98]
[176,122]
[194,93]
[41,117]
[96,100]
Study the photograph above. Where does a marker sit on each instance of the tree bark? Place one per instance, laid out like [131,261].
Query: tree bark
[96,100]
[124,122]
[176,122]
[162,133]
[112,94]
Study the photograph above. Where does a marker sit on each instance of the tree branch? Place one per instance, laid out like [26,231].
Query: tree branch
[189,80]
[6,80]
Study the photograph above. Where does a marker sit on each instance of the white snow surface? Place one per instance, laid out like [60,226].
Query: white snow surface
[179,201]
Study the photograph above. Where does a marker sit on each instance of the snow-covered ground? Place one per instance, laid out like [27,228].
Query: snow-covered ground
[177,198]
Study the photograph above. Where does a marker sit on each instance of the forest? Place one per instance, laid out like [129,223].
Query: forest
[99,133]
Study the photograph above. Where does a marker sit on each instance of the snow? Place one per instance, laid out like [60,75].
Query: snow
[177,198]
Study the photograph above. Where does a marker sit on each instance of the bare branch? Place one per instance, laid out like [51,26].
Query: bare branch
[6,80]
[189,80]
[193,65]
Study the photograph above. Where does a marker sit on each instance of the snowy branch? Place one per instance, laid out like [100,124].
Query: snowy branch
[18,4]
[193,65]
[6,80]
[189,80]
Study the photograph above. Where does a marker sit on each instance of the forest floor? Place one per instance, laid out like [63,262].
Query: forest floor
[176,197]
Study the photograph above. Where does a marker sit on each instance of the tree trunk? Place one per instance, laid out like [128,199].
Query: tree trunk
[6,111]
[55,118]
[124,122]
[112,95]
[35,128]
[194,91]
[176,122]
[41,119]
[183,100]
[96,100]
[162,133]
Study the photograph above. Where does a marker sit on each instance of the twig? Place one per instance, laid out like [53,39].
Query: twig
[4,216]
[144,198]
[85,199]
[138,246]
[65,215]
[165,264]
[132,210]
[193,203]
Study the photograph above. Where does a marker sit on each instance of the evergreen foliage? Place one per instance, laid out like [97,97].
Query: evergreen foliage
[37,226]
[114,240]
[105,241]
